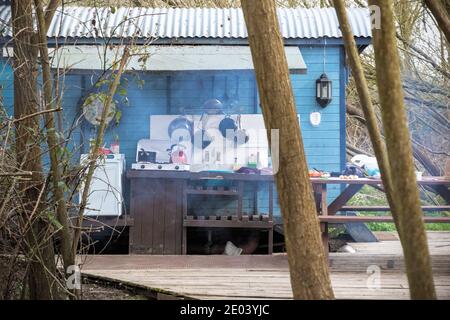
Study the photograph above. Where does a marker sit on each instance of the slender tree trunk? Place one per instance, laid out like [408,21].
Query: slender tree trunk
[371,122]
[441,15]
[307,260]
[398,143]
[50,10]
[52,140]
[28,150]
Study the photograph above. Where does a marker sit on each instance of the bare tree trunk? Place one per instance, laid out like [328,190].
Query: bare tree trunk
[366,104]
[39,244]
[398,143]
[307,261]
[52,140]
[50,12]
[440,13]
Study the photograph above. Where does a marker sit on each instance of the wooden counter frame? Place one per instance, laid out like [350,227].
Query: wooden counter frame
[143,207]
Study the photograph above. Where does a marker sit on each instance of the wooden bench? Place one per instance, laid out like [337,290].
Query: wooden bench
[386,208]
[365,219]
[336,219]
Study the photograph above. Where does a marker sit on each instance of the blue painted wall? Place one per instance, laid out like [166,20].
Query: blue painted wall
[164,93]
[6,85]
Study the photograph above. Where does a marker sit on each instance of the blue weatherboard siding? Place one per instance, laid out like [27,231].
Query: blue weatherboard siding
[6,84]
[166,92]
[323,144]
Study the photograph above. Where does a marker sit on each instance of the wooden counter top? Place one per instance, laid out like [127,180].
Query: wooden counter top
[212,175]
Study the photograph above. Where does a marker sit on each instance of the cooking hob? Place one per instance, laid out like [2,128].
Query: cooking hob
[160,166]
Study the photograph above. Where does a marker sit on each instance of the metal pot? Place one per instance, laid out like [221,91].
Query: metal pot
[226,124]
[180,123]
[213,106]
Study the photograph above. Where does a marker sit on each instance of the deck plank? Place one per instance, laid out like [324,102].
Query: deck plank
[267,277]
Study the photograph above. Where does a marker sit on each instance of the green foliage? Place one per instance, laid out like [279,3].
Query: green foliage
[122,92]
[369,196]
[63,186]
[118,116]
[53,220]
[101,83]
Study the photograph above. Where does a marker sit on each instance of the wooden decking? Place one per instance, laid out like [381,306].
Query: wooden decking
[267,277]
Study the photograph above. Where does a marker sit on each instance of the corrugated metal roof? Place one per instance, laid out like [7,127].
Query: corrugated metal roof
[89,22]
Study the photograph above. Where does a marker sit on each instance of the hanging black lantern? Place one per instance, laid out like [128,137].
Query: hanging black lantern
[324,89]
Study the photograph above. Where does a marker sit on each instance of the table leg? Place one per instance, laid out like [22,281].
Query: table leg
[323,199]
[317,195]
[240,199]
[185,209]
[324,212]
[270,241]
[184,243]
[343,198]
[271,185]
[324,230]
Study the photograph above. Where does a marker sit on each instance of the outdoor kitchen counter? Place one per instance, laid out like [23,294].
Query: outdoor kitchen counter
[158,174]
[158,201]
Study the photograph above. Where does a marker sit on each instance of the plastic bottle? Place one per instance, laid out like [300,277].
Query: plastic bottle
[252,161]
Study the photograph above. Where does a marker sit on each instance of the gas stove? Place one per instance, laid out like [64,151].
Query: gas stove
[154,154]
[159,166]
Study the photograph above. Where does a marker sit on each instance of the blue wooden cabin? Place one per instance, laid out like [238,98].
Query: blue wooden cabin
[169,87]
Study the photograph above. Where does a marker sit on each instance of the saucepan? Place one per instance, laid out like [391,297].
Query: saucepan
[226,124]
[239,135]
[181,129]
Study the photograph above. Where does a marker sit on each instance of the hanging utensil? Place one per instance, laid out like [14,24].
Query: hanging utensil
[227,123]
[202,139]
[180,129]
[213,106]
[241,136]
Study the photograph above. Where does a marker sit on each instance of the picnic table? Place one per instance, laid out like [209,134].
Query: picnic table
[327,212]
[355,185]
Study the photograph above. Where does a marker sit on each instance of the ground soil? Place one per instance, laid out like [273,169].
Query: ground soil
[97,291]
[11,285]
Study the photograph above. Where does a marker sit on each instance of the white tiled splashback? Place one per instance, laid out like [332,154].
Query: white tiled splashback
[220,154]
